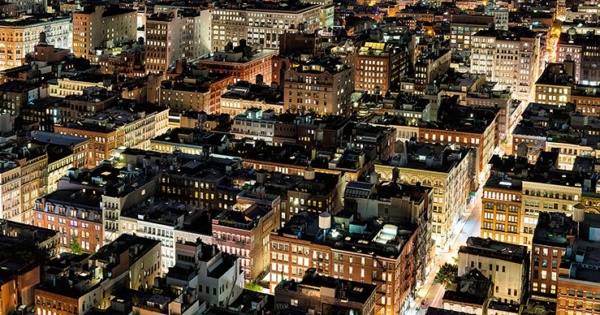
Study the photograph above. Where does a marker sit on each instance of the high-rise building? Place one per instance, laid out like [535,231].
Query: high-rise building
[510,58]
[98,26]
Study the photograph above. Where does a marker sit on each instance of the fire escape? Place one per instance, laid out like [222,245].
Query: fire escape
[381,286]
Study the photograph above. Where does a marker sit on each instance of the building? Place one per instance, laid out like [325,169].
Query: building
[23,178]
[244,62]
[13,233]
[454,127]
[83,84]
[491,95]
[76,214]
[379,66]
[262,23]
[104,139]
[211,187]
[554,85]
[506,265]
[75,284]
[469,292]
[199,94]
[23,33]
[246,234]
[463,27]
[502,54]
[502,199]
[578,277]
[430,66]
[184,31]
[190,140]
[243,96]
[220,276]
[324,294]
[547,191]
[97,27]
[255,124]
[367,258]
[554,235]
[316,193]
[446,172]
[400,204]
[18,281]
[370,137]
[321,86]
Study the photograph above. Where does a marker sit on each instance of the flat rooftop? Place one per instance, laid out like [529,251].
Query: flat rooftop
[494,249]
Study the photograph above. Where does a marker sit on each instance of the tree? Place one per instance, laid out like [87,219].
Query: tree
[446,275]
[75,247]
[254,286]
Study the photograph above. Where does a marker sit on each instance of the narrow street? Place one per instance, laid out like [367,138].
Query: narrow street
[434,293]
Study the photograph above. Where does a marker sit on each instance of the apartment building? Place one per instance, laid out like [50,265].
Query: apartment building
[554,86]
[502,209]
[21,34]
[301,245]
[379,66]
[454,127]
[262,23]
[244,95]
[197,94]
[399,204]
[135,126]
[96,27]
[430,66]
[84,84]
[511,58]
[578,288]
[200,183]
[320,86]
[76,214]
[554,234]
[463,27]
[255,124]
[191,141]
[104,140]
[547,191]
[174,36]
[23,178]
[246,234]
[446,173]
[81,283]
[326,294]
[507,265]
[13,233]
[244,62]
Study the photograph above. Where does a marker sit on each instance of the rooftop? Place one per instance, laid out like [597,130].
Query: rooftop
[352,291]
[495,249]
[371,237]
[554,229]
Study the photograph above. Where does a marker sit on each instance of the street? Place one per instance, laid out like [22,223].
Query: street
[433,293]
